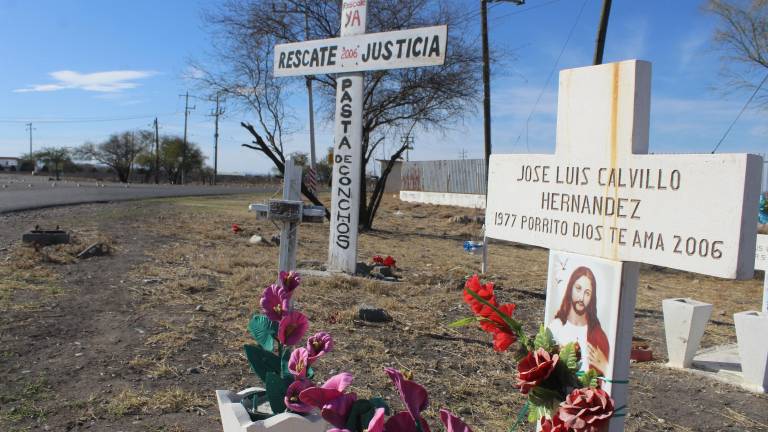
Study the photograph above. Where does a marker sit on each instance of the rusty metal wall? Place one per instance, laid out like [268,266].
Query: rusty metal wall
[447,176]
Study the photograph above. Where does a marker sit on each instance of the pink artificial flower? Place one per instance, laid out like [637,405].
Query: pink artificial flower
[298,363]
[290,280]
[375,425]
[413,395]
[403,422]
[319,344]
[333,403]
[275,302]
[453,423]
[292,328]
[292,400]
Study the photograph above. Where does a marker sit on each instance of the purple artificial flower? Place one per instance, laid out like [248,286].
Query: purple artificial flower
[337,410]
[292,400]
[403,422]
[453,423]
[290,280]
[375,425]
[319,344]
[298,363]
[413,395]
[292,328]
[275,302]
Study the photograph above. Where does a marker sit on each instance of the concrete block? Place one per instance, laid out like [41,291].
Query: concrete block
[684,323]
[751,331]
[234,417]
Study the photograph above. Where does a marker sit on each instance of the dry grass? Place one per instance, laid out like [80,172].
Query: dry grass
[207,265]
[172,400]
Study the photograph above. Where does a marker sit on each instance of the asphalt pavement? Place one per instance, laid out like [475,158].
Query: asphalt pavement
[25,192]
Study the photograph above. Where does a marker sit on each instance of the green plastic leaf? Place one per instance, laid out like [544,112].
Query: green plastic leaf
[545,339]
[360,415]
[263,331]
[380,403]
[284,373]
[463,322]
[536,412]
[589,379]
[261,361]
[569,358]
[276,389]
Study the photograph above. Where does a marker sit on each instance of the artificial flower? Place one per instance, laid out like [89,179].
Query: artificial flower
[290,280]
[453,423]
[413,395]
[404,422]
[485,291]
[275,302]
[389,261]
[292,327]
[319,344]
[552,425]
[586,409]
[535,368]
[298,363]
[292,400]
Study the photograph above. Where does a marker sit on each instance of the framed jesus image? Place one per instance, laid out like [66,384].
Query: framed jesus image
[582,306]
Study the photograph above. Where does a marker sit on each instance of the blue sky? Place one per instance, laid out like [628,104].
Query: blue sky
[122,63]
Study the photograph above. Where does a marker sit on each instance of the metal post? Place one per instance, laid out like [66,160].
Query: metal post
[289,238]
[601,31]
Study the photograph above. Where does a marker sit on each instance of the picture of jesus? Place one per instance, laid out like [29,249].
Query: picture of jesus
[576,321]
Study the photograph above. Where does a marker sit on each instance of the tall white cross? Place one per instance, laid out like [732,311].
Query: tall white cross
[348,56]
[600,195]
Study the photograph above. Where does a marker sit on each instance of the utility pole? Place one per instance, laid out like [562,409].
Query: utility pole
[408,142]
[157,153]
[487,79]
[31,156]
[601,32]
[308,79]
[463,154]
[218,112]
[184,148]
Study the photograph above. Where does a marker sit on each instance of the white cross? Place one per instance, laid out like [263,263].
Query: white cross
[290,212]
[348,56]
[600,195]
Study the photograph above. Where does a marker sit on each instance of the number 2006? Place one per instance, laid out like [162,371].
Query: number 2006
[701,247]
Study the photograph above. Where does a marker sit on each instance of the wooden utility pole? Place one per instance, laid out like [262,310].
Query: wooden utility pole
[157,153]
[487,79]
[216,115]
[184,148]
[601,31]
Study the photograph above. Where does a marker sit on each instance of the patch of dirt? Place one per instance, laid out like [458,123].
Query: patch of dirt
[140,339]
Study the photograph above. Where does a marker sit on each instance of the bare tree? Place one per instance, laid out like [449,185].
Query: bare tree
[118,152]
[394,101]
[743,35]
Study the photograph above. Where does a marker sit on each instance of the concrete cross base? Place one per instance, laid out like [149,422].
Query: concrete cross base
[684,323]
[234,417]
[751,330]
[722,363]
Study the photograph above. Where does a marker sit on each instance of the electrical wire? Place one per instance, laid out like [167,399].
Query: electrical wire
[549,78]
[523,10]
[86,119]
[740,113]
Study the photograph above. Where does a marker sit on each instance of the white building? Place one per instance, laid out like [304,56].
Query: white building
[9,163]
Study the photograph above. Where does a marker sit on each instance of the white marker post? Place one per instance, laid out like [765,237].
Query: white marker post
[348,56]
[761,263]
[600,195]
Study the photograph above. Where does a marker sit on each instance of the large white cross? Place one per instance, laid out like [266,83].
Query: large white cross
[348,56]
[600,195]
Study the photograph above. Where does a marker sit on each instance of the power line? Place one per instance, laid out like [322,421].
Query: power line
[740,113]
[84,119]
[549,78]
[523,10]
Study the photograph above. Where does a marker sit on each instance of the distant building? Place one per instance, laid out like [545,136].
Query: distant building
[9,163]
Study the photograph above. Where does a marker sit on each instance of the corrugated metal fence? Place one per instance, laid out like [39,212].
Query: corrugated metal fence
[448,176]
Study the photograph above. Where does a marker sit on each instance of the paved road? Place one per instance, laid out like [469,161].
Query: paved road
[26,192]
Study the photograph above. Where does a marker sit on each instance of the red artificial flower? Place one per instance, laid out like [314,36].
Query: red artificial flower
[535,368]
[485,291]
[503,335]
[586,409]
[377,259]
[389,261]
[552,425]
[236,228]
